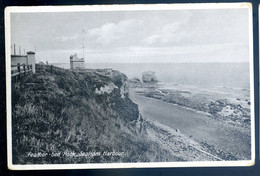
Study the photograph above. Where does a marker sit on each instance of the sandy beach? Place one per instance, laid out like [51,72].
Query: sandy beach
[223,140]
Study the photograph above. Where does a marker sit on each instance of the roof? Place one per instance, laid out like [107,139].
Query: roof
[18,55]
[30,52]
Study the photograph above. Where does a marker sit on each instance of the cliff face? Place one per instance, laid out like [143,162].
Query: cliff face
[112,91]
[73,112]
[115,93]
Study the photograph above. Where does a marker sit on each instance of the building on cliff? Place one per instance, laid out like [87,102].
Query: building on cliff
[27,59]
[104,72]
[76,63]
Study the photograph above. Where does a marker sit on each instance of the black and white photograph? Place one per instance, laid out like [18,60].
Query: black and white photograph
[122,86]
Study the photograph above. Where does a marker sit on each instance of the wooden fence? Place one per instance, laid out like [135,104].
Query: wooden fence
[20,69]
[48,68]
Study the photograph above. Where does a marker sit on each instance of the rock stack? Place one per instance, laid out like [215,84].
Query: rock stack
[149,77]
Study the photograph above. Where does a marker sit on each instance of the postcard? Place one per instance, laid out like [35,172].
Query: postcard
[130,86]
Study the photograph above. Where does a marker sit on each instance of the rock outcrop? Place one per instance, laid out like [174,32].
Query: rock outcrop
[135,80]
[149,77]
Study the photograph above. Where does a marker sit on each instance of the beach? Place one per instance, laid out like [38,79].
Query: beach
[223,140]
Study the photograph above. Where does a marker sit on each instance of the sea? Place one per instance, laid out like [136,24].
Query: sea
[227,75]
[210,80]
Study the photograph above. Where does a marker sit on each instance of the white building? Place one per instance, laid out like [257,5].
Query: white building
[28,59]
[76,63]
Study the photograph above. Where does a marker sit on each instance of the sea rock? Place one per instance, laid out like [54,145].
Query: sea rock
[135,80]
[149,77]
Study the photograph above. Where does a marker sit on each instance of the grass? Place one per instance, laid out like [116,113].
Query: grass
[60,112]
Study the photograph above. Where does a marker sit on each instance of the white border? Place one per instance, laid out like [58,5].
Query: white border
[10,10]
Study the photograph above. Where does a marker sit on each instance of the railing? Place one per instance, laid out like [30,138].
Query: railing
[48,68]
[20,69]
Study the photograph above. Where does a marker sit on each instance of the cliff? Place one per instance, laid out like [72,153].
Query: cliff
[60,117]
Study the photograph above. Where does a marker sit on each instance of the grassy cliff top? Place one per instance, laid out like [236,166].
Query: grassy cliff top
[77,112]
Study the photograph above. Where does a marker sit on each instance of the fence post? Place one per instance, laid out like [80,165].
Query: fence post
[18,68]
[24,69]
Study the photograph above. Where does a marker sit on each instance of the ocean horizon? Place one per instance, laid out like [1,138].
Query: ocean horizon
[222,75]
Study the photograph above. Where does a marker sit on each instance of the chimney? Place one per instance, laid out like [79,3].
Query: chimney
[14,50]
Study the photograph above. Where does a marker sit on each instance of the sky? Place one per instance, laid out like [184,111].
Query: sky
[158,36]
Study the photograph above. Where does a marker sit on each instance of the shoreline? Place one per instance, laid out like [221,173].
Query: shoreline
[218,138]
[233,108]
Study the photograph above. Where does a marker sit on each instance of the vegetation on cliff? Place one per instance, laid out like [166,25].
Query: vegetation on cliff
[56,116]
